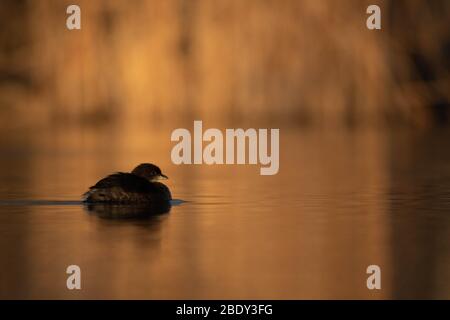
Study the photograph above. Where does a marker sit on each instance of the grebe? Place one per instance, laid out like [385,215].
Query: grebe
[139,186]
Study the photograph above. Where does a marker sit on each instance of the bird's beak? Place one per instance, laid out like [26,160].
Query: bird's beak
[163,177]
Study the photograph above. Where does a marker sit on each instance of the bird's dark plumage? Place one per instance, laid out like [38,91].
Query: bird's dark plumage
[140,186]
[128,181]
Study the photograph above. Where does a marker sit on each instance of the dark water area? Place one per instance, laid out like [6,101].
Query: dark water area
[342,200]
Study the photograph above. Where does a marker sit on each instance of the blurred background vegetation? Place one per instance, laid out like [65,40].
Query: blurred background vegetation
[295,62]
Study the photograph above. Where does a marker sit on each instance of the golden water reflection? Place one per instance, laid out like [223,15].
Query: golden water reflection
[342,200]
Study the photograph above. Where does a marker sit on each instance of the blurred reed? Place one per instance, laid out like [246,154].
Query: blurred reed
[300,62]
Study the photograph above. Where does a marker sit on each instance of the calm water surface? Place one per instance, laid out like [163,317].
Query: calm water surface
[341,201]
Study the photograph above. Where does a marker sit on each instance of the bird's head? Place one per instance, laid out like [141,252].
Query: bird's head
[149,171]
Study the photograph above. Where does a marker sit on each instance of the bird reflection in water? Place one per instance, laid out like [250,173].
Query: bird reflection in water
[127,211]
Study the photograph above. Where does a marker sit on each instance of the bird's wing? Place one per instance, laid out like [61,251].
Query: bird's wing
[127,181]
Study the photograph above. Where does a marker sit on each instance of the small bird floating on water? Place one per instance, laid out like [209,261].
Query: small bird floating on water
[141,186]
